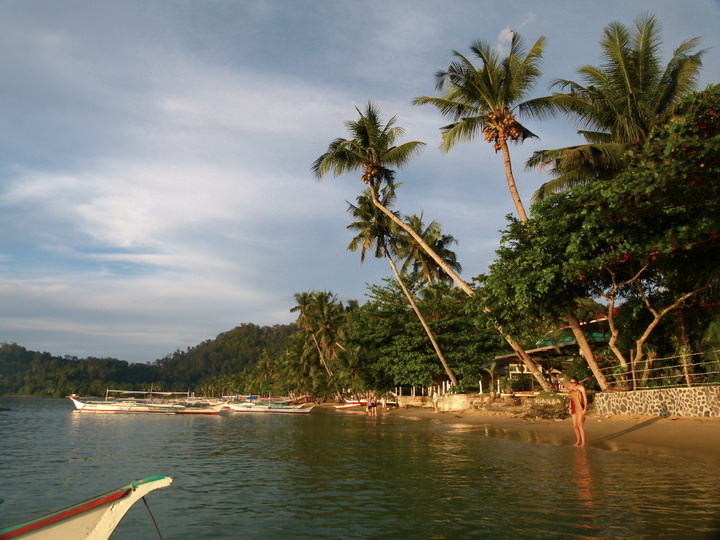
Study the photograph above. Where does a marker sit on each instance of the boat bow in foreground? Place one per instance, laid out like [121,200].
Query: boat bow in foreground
[93,519]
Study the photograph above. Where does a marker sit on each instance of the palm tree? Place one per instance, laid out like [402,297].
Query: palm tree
[321,317]
[417,260]
[488,99]
[371,150]
[375,229]
[618,103]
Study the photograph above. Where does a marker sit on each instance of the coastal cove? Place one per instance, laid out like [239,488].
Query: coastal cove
[404,473]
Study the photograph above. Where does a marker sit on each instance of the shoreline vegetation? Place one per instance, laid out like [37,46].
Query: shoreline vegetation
[696,439]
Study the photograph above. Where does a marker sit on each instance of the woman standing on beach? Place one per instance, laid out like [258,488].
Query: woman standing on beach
[578,409]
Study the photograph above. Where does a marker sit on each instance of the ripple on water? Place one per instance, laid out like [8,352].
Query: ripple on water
[329,475]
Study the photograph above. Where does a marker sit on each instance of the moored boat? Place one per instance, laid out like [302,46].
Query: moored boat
[270,406]
[93,519]
[362,403]
[200,407]
[126,401]
[352,404]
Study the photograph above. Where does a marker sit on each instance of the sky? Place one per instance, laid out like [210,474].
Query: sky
[155,156]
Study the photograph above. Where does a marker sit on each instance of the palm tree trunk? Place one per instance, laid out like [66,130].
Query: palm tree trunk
[586,351]
[420,317]
[529,363]
[415,236]
[512,186]
[323,361]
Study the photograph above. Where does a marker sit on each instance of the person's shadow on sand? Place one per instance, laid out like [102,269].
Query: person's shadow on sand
[612,436]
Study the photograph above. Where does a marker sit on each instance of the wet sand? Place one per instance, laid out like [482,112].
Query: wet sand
[697,439]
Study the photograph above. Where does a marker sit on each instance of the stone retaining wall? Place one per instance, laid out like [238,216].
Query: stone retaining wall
[446,402]
[701,401]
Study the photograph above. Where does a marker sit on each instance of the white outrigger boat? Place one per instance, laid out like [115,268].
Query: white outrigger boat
[200,408]
[93,519]
[270,406]
[128,401]
[362,403]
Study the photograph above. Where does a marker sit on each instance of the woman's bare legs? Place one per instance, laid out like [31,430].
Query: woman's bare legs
[578,420]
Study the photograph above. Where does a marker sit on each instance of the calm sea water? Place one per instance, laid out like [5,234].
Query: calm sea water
[334,475]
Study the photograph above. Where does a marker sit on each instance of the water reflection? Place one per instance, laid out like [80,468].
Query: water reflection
[583,479]
[329,475]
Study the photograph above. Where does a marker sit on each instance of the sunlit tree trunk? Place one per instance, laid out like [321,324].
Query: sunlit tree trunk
[529,363]
[512,186]
[415,236]
[421,318]
[586,351]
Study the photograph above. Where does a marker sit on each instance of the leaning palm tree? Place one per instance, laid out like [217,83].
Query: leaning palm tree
[375,229]
[618,103]
[488,99]
[372,150]
[417,260]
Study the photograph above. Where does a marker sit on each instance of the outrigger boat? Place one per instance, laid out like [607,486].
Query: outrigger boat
[200,408]
[361,403]
[93,519]
[127,401]
[352,404]
[255,405]
[200,405]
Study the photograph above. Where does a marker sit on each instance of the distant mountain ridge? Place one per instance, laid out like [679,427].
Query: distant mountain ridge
[32,373]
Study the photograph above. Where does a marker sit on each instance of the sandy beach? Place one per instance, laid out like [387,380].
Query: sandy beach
[697,439]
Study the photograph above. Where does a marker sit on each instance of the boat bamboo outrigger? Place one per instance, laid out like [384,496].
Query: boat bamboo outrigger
[270,405]
[152,402]
[92,519]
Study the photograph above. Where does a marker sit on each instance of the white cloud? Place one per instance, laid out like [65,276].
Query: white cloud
[503,40]
[155,184]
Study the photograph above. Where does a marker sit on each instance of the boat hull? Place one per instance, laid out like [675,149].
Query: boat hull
[131,406]
[93,519]
[251,407]
[124,407]
[205,409]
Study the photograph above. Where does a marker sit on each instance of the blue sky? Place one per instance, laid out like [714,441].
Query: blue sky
[155,183]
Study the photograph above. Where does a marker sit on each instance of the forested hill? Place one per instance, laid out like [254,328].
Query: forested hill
[32,373]
[230,353]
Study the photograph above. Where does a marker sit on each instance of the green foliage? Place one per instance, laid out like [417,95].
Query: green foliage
[618,103]
[32,373]
[648,241]
[393,349]
[228,354]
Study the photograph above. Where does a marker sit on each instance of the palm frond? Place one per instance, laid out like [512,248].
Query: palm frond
[462,130]
[621,100]
[398,156]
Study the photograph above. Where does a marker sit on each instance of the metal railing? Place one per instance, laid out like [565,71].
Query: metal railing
[684,370]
